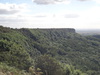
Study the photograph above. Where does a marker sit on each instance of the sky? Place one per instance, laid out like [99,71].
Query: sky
[78,14]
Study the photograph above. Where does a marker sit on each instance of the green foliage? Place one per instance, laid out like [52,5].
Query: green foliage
[35,71]
[48,65]
[19,47]
[14,55]
[70,70]
[7,70]
[11,50]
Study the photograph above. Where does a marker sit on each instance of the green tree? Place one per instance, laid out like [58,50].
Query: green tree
[48,65]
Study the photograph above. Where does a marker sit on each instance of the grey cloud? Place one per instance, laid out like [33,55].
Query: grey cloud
[40,16]
[48,1]
[44,1]
[14,20]
[5,11]
[11,8]
[83,0]
[71,16]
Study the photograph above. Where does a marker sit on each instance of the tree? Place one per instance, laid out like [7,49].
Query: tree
[48,65]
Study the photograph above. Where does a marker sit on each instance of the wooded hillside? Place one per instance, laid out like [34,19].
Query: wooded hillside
[20,48]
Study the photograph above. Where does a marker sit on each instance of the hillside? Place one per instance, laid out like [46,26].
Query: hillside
[20,47]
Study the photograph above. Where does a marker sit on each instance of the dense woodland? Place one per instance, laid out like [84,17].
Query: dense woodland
[48,52]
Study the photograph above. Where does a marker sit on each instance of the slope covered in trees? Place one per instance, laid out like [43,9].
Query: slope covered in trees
[21,47]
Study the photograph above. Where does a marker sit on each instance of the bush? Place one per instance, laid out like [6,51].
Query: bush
[70,70]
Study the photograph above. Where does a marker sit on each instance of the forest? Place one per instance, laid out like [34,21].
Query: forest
[56,51]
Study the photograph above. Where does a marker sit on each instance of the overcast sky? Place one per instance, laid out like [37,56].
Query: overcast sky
[78,14]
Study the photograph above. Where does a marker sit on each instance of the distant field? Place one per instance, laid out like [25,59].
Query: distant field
[89,32]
